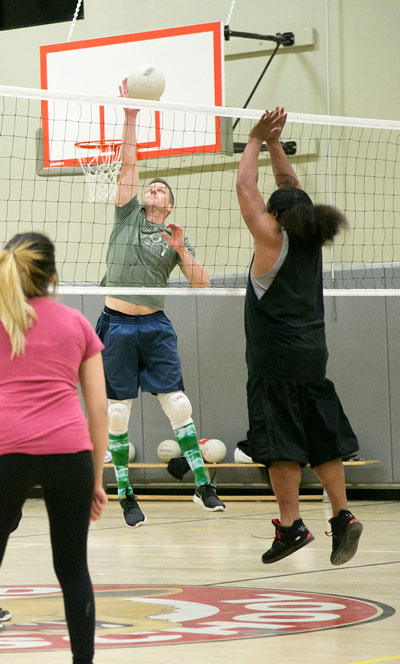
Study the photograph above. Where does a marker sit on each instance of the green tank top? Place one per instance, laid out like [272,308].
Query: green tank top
[138,255]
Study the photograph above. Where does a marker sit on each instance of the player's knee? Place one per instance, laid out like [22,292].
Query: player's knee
[177,408]
[118,416]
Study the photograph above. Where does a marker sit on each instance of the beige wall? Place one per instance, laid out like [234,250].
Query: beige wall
[364,49]
[363,334]
[363,61]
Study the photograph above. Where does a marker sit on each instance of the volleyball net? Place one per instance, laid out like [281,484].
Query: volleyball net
[59,171]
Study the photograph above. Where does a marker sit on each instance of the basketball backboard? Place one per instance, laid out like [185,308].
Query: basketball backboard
[191,60]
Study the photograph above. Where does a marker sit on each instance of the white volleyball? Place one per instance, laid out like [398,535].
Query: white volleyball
[146,82]
[213,450]
[167,450]
[132,452]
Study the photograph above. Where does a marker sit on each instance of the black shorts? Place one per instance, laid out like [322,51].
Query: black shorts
[302,422]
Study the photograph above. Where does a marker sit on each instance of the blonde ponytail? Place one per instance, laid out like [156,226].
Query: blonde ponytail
[26,267]
[16,314]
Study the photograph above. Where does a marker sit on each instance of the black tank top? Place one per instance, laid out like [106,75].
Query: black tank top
[285,329]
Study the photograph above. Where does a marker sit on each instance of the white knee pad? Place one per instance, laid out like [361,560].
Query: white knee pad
[177,408]
[118,416]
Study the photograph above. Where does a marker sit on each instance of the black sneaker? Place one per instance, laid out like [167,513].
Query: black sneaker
[15,525]
[4,615]
[133,514]
[346,531]
[206,495]
[288,539]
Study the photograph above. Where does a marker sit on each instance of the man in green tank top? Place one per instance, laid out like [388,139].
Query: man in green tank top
[140,342]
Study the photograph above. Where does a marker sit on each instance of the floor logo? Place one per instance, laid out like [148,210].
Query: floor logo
[130,616]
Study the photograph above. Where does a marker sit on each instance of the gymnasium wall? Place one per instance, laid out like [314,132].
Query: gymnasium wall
[364,343]
[346,64]
[338,48]
[362,46]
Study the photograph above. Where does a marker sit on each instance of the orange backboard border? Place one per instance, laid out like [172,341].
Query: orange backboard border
[145,150]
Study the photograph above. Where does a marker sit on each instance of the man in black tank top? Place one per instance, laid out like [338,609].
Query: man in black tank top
[295,416]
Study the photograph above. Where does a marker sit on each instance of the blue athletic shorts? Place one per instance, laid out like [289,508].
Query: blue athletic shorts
[139,351]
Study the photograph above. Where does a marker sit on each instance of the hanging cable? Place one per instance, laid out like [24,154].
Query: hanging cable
[78,6]
[231,8]
[284,39]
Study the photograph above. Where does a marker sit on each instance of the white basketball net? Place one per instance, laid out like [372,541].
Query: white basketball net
[101,176]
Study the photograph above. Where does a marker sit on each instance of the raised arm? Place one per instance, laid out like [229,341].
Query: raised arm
[260,223]
[283,171]
[129,179]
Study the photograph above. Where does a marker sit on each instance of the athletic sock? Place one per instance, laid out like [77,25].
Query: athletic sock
[186,437]
[119,448]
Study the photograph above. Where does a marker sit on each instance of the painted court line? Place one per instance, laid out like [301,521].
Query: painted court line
[373,661]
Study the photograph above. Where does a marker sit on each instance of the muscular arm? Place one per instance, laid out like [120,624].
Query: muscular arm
[129,178]
[262,225]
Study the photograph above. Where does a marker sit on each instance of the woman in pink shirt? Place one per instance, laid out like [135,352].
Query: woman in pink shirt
[46,348]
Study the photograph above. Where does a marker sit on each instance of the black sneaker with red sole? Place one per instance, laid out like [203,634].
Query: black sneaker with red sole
[288,539]
[346,532]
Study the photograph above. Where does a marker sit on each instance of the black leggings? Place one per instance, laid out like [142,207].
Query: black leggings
[67,481]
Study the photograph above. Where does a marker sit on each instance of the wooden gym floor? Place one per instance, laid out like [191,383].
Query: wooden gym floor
[205,589]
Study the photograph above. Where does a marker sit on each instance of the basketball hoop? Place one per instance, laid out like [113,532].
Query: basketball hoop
[101,169]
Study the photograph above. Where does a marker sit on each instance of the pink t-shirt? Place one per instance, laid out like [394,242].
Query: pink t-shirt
[40,410]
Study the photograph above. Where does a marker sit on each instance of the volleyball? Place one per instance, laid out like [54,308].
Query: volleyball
[212,450]
[202,442]
[132,451]
[167,450]
[146,82]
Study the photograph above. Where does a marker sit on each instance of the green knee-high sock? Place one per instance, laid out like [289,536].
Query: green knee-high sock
[187,440]
[119,448]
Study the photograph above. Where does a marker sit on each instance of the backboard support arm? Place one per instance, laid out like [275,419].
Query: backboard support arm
[280,39]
